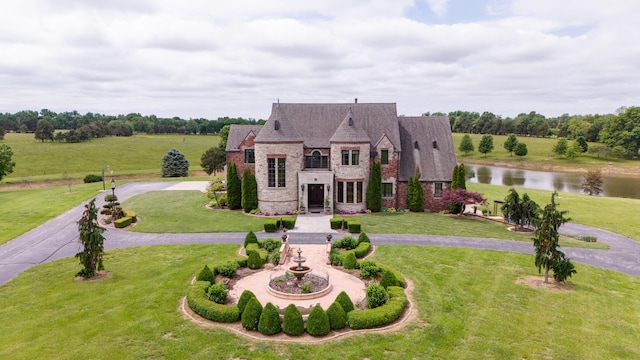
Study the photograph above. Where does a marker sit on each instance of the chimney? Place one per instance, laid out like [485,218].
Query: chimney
[356,100]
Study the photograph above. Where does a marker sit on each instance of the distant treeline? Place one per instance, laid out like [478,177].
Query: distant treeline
[82,127]
[614,130]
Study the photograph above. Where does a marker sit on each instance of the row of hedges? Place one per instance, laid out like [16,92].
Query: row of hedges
[352,225]
[129,218]
[272,225]
[380,316]
[201,305]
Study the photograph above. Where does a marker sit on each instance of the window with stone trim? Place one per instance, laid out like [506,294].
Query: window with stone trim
[276,173]
[387,189]
[350,192]
[384,157]
[350,157]
[317,161]
[340,192]
[437,190]
[249,156]
[345,157]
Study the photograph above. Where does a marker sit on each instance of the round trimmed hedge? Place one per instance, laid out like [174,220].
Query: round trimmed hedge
[376,296]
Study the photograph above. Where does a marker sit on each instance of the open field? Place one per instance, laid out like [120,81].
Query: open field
[140,154]
[473,311]
[541,157]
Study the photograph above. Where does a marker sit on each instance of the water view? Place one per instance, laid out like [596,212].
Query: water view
[614,186]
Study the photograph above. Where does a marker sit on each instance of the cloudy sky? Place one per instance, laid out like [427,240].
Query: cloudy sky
[211,58]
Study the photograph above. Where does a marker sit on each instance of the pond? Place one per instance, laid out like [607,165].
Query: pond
[614,186]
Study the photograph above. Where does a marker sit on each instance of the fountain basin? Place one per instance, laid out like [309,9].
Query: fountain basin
[299,271]
[292,296]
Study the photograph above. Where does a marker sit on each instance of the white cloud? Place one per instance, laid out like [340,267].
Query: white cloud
[439,7]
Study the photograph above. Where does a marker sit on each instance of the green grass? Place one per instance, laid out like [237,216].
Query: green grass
[472,311]
[185,212]
[135,155]
[539,154]
[25,209]
[618,215]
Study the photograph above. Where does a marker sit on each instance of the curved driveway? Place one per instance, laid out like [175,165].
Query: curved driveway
[58,238]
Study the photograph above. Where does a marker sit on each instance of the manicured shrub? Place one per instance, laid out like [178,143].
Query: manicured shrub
[110,197]
[254,261]
[249,191]
[251,314]
[270,244]
[318,322]
[275,258]
[206,275]
[354,227]
[336,223]
[289,223]
[269,323]
[400,281]
[244,299]
[228,269]
[123,222]
[347,243]
[335,257]
[345,302]
[380,316]
[388,279]
[362,250]
[376,296]
[199,302]
[91,178]
[262,253]
[234,188]
[132,214]
[369,269]
[293,324]
[271,225]
[217,293]
[252,247]
[251,238]
[349,260]
[363,238]
[337,316]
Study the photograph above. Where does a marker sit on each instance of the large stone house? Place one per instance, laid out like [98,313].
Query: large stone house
[315,156]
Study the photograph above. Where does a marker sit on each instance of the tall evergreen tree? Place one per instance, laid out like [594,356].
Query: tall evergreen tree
[234,188]
[249,191]
[174,164]
[374,189]
[415,196]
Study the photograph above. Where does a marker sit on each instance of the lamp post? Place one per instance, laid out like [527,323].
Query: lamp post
[103,184]
[113,188]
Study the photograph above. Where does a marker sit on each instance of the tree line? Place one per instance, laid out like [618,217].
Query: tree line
[81,127]
[621,129]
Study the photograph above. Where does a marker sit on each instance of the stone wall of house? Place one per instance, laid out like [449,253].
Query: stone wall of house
[278,199]
[353,173]
[390,171]
[433,204]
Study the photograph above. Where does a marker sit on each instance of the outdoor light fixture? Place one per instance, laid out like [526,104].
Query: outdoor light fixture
[328,188]
[113,187]
[302,187]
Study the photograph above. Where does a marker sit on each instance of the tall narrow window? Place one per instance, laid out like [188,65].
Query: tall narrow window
[271,172]
[387,189]
[437,190]
[384,157]
[355,157]
[345,157]
[340,192]
[281,173]
[350,192]
[359,191]
[249,156]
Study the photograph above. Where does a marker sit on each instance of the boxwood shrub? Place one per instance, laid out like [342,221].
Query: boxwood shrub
[376,296]
[293,324]
[250,238]
[337,316]
[345,302]
[287,222]
[201,305]
[362,250]
[254,261]
[400,281]
[270,244]
[354,226]
[132,214]
[271,225]
[363,238]
[388,279]
[227,269]
[251,315]
[244,299]
[336,223]
[369,269]
[206,275]
[318,322]
[91,178]
[217,293]
[380,316]
[123,222]
[269,323]
[349,260]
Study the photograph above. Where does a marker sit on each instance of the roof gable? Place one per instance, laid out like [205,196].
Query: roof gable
[347,131]
[238,133]
[279,128]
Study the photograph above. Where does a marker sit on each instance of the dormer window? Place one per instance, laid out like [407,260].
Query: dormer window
[276,125]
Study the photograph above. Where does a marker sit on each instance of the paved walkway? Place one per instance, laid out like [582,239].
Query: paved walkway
[313,223]
[57,239]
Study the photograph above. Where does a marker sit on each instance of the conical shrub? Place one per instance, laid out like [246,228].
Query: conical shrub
[251,315]
[206,275]
[269,320]
[293,324]
[318,322]
[337,316]
[244,300]
[345,302]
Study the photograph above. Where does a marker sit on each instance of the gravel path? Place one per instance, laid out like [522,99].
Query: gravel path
[57,239]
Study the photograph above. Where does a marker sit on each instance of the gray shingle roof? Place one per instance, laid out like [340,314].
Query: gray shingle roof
[317,123]
[434,153]
[348,131]
[237,134]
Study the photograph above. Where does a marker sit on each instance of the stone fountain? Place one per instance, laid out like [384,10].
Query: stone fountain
[299,271]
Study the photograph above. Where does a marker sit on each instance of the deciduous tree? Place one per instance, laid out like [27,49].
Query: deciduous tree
[466,144]
[511,143]
[44,130]
[213,160]
[486,144]
[521,149]
[592,183]
[461,197]
[560,148]
[6,165]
